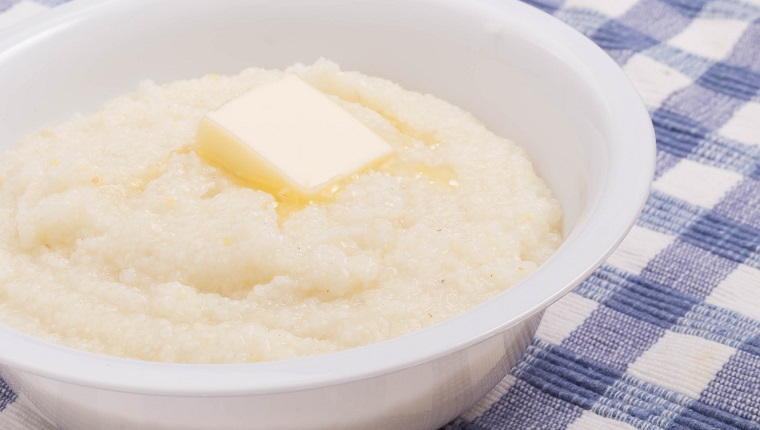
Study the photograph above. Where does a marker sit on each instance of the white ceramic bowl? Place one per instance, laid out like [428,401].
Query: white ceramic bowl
[526,75]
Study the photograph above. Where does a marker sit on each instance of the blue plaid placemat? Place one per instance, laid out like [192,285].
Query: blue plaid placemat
[666,334]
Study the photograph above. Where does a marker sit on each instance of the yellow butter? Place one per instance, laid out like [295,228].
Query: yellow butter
[288,138]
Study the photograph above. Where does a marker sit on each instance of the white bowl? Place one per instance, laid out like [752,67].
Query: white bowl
[526,75]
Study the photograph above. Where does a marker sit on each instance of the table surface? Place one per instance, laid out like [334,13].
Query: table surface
[666,333]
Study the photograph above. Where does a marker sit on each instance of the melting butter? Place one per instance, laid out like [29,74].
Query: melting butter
[289,139]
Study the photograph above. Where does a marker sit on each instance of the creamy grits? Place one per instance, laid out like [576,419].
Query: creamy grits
[117,238]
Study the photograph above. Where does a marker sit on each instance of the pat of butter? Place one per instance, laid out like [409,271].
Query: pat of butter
[289,139]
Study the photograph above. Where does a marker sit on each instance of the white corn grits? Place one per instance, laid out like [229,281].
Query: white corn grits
[118,239]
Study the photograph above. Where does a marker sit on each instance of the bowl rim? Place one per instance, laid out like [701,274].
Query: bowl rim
[631,125]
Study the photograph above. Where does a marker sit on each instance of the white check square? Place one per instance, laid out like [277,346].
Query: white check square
[739,291]
[744,125]
[613,9]
[697,183]
[682,363]
[638,249]
[591,421]
[709,38]
[655,81]
[564,316]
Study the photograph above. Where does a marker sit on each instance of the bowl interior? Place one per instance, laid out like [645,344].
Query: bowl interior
[445,48]
[525,75]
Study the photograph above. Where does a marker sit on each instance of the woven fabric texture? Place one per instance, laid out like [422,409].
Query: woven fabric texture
[666,334]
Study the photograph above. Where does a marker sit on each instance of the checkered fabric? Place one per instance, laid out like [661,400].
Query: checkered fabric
[666,334]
